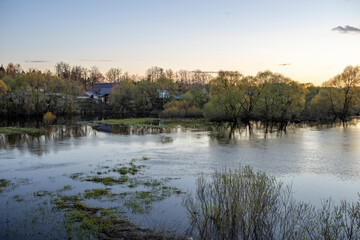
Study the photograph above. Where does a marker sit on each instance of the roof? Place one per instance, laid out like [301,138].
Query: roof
[101,89]
[163,93]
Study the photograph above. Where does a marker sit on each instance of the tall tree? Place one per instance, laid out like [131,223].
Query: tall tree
[63,70]
[122,95]
[95,76]
[113,75]
[341,94]
[225,97]
[154,73]
[2,72]
[13,70]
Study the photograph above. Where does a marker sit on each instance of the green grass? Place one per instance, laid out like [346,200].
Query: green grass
[17,131]
[97,193]
[3,184]
[154,122]
[83,221]
[108,181]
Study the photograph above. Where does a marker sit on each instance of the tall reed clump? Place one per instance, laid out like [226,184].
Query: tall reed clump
[244,204]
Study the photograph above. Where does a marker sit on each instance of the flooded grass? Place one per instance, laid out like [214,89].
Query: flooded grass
[18,198]
[3,184]
[76,175]
[17,131]
[108,181]
[97,193]
[83,221]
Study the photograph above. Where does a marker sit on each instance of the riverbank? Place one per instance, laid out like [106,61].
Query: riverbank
[19,130]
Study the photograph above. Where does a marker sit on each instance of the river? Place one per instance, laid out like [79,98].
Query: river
[320,162]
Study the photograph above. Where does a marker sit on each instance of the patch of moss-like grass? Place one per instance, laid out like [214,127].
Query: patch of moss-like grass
[42,193]
[83,221]
[4,184]
[108,181]
[97,193]
[17,131]
[18,198]
[76,175]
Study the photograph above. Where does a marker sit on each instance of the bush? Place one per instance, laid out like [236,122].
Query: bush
[49,117]
[179,109]
[244,204]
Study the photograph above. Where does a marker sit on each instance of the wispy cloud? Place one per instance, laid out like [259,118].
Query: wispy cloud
[96,60]
[346,29]
[36,61]
[284,64]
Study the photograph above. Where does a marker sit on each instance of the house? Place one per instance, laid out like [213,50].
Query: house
[100,92]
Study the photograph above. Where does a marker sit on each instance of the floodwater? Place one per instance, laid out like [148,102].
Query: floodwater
[320,162]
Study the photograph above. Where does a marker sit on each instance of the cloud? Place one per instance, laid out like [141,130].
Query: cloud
[96,60]
[284,64]
[36,61]
[346,29]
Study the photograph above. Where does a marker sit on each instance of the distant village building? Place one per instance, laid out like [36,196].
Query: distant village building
[100,92]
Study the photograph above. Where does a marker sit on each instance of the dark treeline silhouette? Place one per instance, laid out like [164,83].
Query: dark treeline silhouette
[228,97]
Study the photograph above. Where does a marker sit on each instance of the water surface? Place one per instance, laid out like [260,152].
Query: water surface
[320,162]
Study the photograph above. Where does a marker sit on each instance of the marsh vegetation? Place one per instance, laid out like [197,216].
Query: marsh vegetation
[244,204]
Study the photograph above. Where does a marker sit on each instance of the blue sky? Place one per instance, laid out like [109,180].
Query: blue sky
[294,38]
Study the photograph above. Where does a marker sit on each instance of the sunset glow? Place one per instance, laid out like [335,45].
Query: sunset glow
[308,41]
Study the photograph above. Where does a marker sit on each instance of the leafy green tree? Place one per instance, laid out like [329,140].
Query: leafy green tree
[122,96]
[197,97]
[145,96]
[225,97]
[281,99]
[3,88]
[341,94]
[312,92]
[249,93]
[2,72]
[3,92]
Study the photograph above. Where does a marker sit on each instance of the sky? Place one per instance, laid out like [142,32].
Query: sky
[306,40]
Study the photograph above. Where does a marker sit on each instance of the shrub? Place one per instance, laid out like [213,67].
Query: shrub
[179,109]
[244,204]
[49,117]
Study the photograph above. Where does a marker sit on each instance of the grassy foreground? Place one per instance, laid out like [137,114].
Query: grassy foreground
[17,130]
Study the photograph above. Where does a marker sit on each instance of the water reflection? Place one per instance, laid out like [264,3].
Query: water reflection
[321,161]
[38,145]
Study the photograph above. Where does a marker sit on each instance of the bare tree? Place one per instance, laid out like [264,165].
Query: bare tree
[63,70]
[95,76]
[113,75]
[169,73]
[13,70]
[154,74]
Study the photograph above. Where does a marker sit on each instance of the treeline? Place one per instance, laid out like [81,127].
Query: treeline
[228,97]
[34,93]
[235,98]
[271,97]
